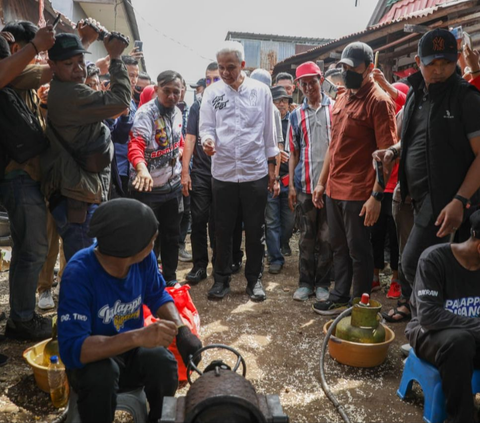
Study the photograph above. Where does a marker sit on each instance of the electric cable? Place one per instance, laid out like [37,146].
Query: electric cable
[323,381]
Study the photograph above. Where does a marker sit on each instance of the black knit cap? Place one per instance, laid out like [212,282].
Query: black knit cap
[475,224]
[123,227]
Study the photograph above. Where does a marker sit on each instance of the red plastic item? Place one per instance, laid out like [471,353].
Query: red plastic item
[189,314]
[365,300]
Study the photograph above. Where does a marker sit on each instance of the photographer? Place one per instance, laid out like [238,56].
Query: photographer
[76,168]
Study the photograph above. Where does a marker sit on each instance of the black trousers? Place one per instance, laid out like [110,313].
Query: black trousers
[384,226]
[98,383]
[456,354]
[228,199]
[352,249]
[168,216]
[201,207]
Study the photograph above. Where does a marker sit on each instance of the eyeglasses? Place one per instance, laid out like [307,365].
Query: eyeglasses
[281,100]
[209,81]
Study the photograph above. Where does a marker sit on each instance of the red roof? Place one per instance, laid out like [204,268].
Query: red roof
[408,7]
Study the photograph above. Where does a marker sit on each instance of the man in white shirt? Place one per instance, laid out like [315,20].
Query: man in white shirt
[237,130]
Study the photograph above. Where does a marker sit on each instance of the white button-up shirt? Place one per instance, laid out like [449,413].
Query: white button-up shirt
[241,124]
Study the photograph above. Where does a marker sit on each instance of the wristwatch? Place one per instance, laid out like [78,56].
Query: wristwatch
[377,195]
[395,152]
[272,161]
[277,178]
[465,201]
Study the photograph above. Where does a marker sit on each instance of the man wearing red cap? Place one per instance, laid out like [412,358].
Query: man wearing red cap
[309,136]
[362,120]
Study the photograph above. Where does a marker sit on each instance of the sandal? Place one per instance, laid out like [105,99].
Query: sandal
[396,312]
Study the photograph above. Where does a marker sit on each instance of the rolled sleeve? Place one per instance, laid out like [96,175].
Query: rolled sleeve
[207,119]
[385,125]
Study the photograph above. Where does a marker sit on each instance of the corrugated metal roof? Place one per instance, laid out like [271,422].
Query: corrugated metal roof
[408,7]
[416,14]
[273,37]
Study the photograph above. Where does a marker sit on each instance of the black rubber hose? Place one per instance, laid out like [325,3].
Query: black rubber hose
[62,417]
[326,389]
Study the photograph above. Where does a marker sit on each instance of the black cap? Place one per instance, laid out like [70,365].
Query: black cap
[200,83]
[66,46]
[355,54]
[279,92]
[437,44]
[475,224]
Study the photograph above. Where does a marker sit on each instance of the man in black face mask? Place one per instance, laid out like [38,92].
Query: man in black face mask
[143,81]
[362,119]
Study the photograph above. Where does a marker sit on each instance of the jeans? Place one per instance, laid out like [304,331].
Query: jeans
[27,213]
[97,383]
[74,235]
[279,220]
[185,221]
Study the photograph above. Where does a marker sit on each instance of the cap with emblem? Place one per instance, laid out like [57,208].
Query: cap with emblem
[66,46]
[200,83]
[437,44]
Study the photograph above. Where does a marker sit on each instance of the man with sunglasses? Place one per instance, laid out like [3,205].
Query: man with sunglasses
[309,137]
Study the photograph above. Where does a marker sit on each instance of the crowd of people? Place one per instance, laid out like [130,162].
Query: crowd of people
[119,169]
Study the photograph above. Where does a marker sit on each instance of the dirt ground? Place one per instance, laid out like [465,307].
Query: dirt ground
[280,340]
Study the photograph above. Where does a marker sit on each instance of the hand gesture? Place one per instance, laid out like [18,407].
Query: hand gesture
[450,218]
[209,147]
[187,344]
[379,77]
[284,156]
[42,93]
[371,211]
[276,189]
[136,53]
[44,38]
[159,334]
[86,32]
[114,46]
[8,36]
[384,156]
[471,58]
[317,197]
[143,181]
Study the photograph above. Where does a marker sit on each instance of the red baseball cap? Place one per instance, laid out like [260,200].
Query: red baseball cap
[307,69]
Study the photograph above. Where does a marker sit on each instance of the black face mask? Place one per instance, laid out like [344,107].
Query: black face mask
[353,80]
[136,96]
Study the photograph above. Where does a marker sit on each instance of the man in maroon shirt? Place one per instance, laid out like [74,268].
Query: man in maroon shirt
[362,119]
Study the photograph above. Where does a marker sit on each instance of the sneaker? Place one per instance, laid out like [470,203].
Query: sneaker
[184,255]
[376,286]
[302,293]
[329,308]
[45,300]
[275,268]
[256,292]
[218,290]
[286,250]
[236,267]
[195,276]
[37,328]
[395,290]
[321,294]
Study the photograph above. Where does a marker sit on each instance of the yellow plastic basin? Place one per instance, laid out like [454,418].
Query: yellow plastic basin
[34,357]
[356,354]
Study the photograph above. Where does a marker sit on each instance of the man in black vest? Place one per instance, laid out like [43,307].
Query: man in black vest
[440,146]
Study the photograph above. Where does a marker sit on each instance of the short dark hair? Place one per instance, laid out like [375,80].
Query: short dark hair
[283,75]
[92,70]
[4,48]
[145,76]
[212,66]
[129,60]
[168,76]
[23,31]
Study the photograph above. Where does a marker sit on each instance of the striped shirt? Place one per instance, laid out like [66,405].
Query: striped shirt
[309,131]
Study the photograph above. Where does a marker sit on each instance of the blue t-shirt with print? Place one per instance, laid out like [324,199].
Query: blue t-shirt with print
[92,302]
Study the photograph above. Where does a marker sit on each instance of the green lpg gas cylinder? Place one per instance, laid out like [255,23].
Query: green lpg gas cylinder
[363,325]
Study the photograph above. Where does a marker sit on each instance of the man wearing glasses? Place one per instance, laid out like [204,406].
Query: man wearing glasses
[278,216]
[309,137]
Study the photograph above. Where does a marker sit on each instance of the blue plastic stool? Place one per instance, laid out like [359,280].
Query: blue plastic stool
[134,402]
[428,377]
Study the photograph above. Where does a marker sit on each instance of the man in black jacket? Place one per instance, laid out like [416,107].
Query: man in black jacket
[445,329]
[440,143]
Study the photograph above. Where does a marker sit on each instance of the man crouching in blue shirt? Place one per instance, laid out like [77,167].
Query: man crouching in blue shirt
[103,342]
